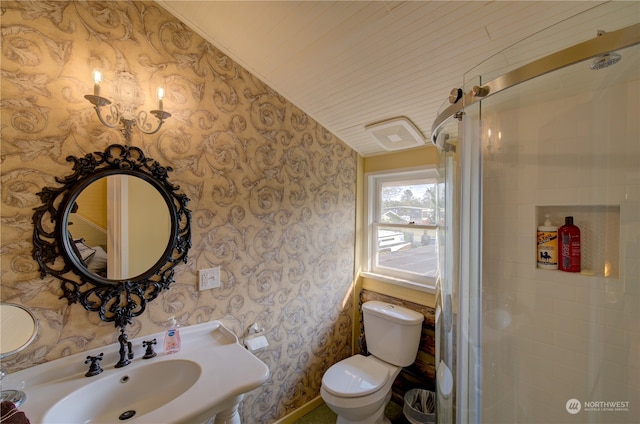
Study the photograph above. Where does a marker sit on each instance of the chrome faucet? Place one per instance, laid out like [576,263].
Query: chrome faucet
[125,345]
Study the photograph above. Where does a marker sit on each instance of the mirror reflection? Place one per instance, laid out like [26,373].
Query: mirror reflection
[18,328]
[120,226]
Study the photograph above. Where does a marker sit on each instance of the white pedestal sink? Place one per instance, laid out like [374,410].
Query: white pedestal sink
[207,378]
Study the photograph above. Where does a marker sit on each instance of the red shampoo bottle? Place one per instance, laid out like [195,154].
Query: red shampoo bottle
[569,239]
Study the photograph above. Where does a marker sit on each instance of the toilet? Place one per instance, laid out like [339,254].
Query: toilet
[357,389]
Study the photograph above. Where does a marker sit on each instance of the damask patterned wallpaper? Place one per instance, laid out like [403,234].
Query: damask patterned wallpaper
[272,192]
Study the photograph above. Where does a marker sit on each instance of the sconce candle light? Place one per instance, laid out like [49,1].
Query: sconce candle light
[160,97]
[122,112]
[97,79]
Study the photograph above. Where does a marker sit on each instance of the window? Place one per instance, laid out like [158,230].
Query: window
[403,217]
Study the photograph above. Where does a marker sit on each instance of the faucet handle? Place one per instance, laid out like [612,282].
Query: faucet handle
[149,353]
[94,368]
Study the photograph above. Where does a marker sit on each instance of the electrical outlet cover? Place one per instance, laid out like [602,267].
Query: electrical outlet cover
[209,278]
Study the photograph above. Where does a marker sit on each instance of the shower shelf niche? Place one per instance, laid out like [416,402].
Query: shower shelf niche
[599,235]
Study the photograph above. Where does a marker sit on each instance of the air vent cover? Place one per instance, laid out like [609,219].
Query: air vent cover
[395,134]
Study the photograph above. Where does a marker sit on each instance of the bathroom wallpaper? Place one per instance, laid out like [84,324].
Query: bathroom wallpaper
[272,192]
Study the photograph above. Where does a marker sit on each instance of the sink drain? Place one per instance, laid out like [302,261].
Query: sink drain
[126,415]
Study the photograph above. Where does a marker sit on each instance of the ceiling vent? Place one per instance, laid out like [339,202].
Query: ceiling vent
[395,134]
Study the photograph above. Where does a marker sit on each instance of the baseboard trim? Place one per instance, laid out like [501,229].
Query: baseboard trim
[300,412]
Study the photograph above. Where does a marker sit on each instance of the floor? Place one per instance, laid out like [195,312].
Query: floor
[323,415]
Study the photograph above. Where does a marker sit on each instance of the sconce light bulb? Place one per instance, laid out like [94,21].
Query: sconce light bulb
[97,79]
[160,97]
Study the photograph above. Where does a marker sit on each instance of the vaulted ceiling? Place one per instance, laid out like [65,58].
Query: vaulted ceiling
[348,64]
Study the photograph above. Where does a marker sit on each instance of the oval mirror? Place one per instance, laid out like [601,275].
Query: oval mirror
[143,230]
[18,328]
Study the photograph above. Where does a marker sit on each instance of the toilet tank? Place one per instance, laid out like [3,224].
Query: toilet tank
[392,332]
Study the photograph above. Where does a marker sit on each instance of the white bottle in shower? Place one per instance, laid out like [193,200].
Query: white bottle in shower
[547,245]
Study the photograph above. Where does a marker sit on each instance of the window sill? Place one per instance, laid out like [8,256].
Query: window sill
[427,288]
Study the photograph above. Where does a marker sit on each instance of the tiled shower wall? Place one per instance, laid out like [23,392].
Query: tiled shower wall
[572,336]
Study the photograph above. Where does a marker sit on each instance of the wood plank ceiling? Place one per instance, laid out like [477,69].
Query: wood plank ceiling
[351,63]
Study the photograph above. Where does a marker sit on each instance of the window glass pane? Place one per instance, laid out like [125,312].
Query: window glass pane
[401,205]
[405,201]
[406,250]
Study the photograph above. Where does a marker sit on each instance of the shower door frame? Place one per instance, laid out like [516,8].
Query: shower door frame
[605,43]
[468,372]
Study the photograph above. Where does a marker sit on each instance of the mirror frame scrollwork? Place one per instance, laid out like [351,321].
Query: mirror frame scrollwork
[117,301]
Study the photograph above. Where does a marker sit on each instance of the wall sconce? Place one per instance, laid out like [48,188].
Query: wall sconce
[122,112]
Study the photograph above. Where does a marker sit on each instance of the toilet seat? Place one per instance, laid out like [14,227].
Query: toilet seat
[355,376]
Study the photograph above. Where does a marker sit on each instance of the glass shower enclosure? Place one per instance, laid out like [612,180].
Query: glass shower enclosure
[547,128]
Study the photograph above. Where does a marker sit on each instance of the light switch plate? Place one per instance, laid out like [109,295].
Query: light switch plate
[209,278]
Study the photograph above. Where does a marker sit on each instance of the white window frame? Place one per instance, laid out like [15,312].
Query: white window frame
[372,204]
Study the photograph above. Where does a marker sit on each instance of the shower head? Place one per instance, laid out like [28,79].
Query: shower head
[605,60]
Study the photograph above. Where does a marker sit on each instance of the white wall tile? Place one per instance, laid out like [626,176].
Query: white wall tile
[578,334]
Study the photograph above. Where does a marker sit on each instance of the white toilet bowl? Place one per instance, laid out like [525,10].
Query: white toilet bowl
[358,389]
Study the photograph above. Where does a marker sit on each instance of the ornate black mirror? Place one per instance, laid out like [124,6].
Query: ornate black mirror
[113,232]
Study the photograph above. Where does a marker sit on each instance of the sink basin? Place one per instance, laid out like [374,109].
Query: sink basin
[125,394]
[207,378]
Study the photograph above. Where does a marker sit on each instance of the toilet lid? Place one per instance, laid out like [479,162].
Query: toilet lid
[355,376]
